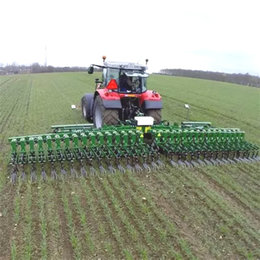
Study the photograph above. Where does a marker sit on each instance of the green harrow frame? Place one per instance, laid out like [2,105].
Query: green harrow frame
[126,147]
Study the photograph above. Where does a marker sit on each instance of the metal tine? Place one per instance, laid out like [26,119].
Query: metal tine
[225,161]
[54,174]
[14,175]
[23,175]
[111,168]
[146,167]
[129,167]
[251,159]
[219,161]
[82,169]
[102,169]
[238,160]
[83,172]
[121,168]
[138,168]
[231,161]
[248,160]
[188,164]
[181,163]
[93,171]
[214,162]
[160,163]
[194,163]
[33,174]
[43,173]
[73,172]
[173,163]
[257,158]
[208,162]
[62,170]
[154,165]
[244,160]
[201,162]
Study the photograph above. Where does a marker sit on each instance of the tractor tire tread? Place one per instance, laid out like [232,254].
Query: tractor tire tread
[109,116]
[156,114]
[85,106]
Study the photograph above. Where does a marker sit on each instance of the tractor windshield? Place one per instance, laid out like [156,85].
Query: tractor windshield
[128,81]
[132,82]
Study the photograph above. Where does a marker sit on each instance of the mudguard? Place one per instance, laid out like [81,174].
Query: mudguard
[114,104]
[150,104]
[151,100]
[111,100]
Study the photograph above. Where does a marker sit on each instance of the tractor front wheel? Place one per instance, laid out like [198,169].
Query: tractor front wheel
[156,114]
[103,116]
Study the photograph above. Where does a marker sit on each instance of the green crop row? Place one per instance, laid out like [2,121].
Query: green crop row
[171,213]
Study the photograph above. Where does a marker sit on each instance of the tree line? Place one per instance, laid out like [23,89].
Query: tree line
[242,79]
[36,68]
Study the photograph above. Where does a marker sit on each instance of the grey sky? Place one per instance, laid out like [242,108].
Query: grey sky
[217,35]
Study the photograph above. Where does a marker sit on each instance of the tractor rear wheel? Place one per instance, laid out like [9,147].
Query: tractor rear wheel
[155,113]
[103,116]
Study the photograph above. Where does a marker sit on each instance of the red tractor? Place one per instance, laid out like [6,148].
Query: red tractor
[120,95]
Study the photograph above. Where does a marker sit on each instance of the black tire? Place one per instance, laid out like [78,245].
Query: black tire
[87,107]
[156,114]
[103,116]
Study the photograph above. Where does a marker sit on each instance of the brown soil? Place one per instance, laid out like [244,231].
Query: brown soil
[177,217]
[67,251]
[6,220]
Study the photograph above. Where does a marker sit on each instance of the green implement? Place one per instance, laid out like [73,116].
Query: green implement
[127,147]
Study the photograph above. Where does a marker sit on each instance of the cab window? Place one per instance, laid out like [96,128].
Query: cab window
[112,74]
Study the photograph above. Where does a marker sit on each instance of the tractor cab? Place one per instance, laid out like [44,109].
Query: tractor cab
[124,79]
[120,95]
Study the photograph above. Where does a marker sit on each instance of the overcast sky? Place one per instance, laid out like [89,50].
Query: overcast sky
[216,35]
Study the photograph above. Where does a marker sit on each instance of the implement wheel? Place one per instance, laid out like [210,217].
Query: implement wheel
[103,116]
[156,114]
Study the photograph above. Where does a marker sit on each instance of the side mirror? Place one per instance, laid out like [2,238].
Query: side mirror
[90,70]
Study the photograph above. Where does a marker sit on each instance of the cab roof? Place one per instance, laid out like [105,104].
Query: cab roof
[125,65]
[122,65]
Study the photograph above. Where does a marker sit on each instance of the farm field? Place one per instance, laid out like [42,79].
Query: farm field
[208,212]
